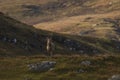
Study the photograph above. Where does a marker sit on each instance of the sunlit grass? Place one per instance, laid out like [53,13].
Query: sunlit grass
[102,67]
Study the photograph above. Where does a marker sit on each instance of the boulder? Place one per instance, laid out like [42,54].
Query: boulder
[81,71]
[14,40]
[115,77]
[86,63]
[43,66]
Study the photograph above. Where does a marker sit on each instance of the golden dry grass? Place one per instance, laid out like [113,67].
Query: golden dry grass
[14,8]
[75,24]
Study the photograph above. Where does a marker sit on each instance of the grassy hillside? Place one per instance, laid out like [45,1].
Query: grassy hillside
[95,25]
[17,38]
[40,11]
[81,30]
[76,17]
[28,39]
[101,68]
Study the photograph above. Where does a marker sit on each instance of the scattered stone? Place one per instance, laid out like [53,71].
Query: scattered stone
[15,40]
[81,51]
[51,69]
[43,66]
[73,45]
[94,25]
[4,39]
[95,51]
[115,77]
[81,71]
[86,63]
[110,3]
[71,49]
[9,40]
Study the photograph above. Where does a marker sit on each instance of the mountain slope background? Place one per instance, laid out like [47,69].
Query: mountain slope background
[87,27]
[39,11]
[96,25]
[95,18]
[82,21]
[17,38]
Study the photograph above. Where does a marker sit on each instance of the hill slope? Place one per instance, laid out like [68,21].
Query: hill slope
[95,18]
[40,11]
[18,38]
[95,25]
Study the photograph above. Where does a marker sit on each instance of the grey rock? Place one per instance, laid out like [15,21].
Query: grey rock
[51,69]
[14,40]
[43,66]
[81,71]
[4,39]
[86,63]
[81,51]
[115,77]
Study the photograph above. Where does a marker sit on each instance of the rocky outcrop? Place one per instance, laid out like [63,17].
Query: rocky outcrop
[86,63]
[115,77]
[41,67]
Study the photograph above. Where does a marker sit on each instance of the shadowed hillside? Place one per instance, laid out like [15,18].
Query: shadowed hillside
[19,38]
